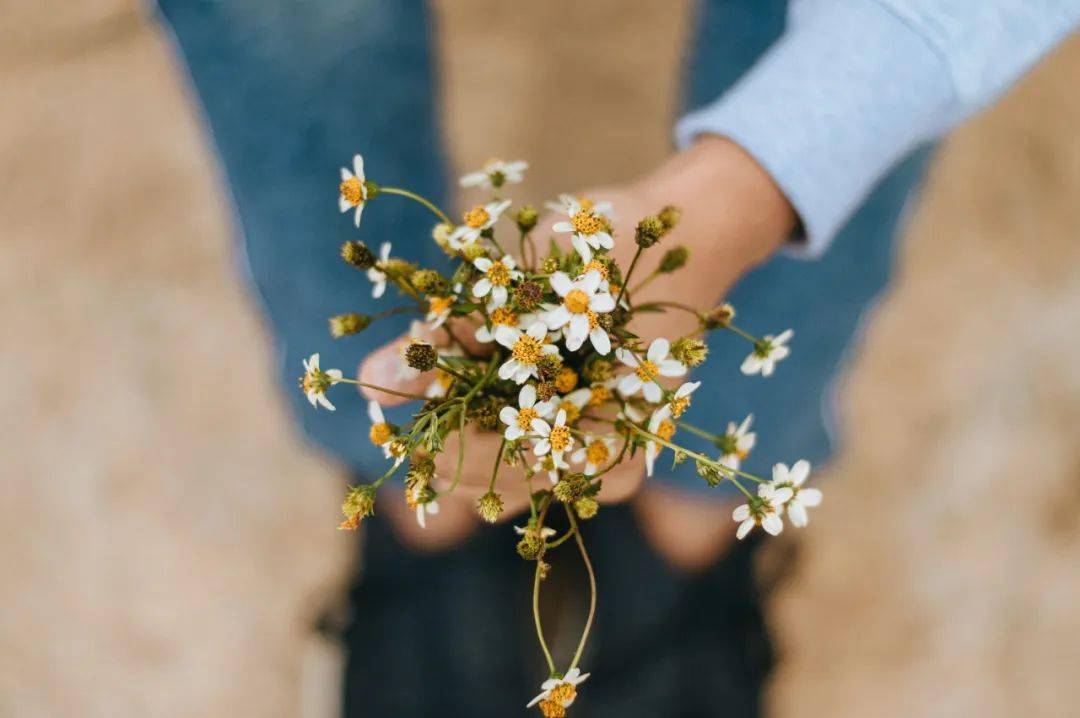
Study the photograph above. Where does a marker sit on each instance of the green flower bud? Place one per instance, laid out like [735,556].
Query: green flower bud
[490,506]
[428,281]
[670,216]
[674,259]
[691,351]
[343,325]
[586,507]
[549,265]
[648,232]
[530,547]
[570,487]
[526,218]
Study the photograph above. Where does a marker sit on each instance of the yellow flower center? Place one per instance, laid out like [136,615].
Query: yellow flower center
[503,316]
[477,217]
[559,438]
[597,266]
[647,371]
[526,350]
[573,413]
[552,709]
[352,190]
[380,433]
[398,448]
[665,430]
[679,405]
[576,301]
[597,453]
[499,274]
[438,305]
[598,395]
[585,222]
[563,693]
[594,320]
[566,380]
[525,417]
[444,379]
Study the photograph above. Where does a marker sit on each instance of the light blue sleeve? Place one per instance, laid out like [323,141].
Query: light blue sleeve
[853,86]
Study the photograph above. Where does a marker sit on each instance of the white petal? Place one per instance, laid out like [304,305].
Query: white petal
[537,331]
[527,396]
[751,365]
[325,402]
[378,289]
[744,528]
[602,302]
[581,247]
[375,412]
[799,472]
[810,497]
[507,336]
[670,367]
[651,450]
[797,514]
[772,524]
[541,447]
[652,392]
[600,340]
[358,166]
[482,287]
[629,385]
[658,350]
[346,175]
[508,415]
[541,427]
[483,263]
[557,317]
[590,282]
[508,369]
[741,512]
[561,283]
[343,204]
[562,227]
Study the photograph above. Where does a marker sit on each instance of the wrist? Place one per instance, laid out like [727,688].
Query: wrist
[728,200]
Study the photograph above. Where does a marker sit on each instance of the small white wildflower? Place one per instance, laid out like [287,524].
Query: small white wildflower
[655,364]
[588,224]
[495,173]
[316,381]
[526,348]
[351,192]
[554,438]
[561,690]
[582,303]
[762,360]
[596,452]
[498,274]
[519,421]
[737,442]
[477,220]
[377,276]
[762,510]
[801,499]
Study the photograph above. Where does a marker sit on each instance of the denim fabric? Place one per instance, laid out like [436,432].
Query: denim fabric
[290,90]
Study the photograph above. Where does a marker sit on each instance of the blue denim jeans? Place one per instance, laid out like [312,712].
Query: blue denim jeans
[291,90]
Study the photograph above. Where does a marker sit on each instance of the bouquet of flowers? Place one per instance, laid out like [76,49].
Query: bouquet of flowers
[564,380]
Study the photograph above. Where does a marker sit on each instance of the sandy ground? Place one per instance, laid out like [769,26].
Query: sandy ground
[163,559]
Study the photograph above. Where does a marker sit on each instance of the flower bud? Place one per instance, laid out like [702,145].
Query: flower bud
[718,317]
[691,351]
[474,251]
[598,370]
[549,366]
[358,504]
[549,265]
[342,325]
[531,546]
[441,234]
[421,356]
[586,507]
[526,218]
[648,232]
[489,506]
[429,281]
[674,259]
[670,216]
[570,487]
[565,380]
[358,255]
[527,296]
[421,470]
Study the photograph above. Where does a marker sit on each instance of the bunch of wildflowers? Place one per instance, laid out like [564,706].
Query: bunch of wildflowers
[572,391]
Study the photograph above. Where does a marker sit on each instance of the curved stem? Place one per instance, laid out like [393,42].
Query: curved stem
[592,587]
[744,334]
[417,198]
[536,605]
[460,451]
[626,279]
[495,468]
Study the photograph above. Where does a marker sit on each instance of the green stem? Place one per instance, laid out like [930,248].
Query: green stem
[536,605]
[415,197]
[626,279]
[495,468]
[745,335]
[726,471]
[592,587]
[460,452]
[443,366]
[383,389]
[645,282]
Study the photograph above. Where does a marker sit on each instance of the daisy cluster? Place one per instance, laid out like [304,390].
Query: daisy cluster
[559,373]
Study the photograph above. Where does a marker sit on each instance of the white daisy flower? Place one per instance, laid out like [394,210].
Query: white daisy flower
[582,303]
[596,453]
[423,508]
[737,442]
[680,401]
[352,193]
[526,348]
[801,499]
[574,403]
[554,438]
[560,690]
[498,274]
[377,276]
[766,354]
[552,466]
[588,225]
[439,309]
[381,432]
[505,317]
[645,372]
[661,425]
[519,421]
[762,510]
[316,381]
[477,219]
[495,173]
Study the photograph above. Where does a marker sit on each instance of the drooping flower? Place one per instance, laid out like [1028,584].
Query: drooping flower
[680,401]
[498,273]
[526,349]
[582,303]
[561,691]
[316,381]
[377,276]
[762,510]
[352,192]
[422,499]
[802,498]
[737,442]
[548,463]
[655,364]
[588,224]
[519,421]
[596,453]
[661,425]
[767,352]
[381,432]
[554,438]
[495,173]
[476,220]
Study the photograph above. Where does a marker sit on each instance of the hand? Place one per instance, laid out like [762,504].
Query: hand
[733,217]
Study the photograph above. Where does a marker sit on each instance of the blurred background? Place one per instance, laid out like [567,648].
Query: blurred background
[167,540]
